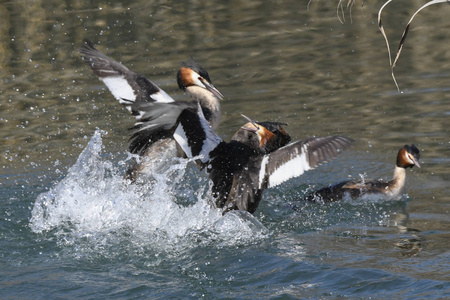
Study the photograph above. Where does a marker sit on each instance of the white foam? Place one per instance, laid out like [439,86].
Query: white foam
[94,202]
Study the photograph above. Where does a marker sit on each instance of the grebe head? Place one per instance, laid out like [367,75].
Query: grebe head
[266,136]
[408,157]
[192,74]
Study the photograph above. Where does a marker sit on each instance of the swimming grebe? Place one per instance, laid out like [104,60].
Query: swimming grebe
[407,157]
[152,132]
[257,157]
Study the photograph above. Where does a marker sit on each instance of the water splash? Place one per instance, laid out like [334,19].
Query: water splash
[94,205]
[362,190]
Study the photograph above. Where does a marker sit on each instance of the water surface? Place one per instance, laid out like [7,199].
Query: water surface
[71,228]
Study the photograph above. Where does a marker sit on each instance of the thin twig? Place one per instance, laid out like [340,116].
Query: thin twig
[380,26]
[404,35]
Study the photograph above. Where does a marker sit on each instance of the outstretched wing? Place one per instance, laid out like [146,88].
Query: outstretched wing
[125,85]
[155,121]
[194,134]
[295,159]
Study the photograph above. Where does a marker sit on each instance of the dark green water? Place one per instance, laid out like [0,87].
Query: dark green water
[273,60]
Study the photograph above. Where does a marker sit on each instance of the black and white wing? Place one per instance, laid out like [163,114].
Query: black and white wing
[194,134]
[295,159]
[125,85]
[155,121]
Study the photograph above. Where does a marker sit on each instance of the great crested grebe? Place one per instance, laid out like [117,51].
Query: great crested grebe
[407,157]
[257,157]
[152,133]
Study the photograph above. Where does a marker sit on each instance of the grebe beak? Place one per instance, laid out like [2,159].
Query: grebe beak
[253,128]
[210,87]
